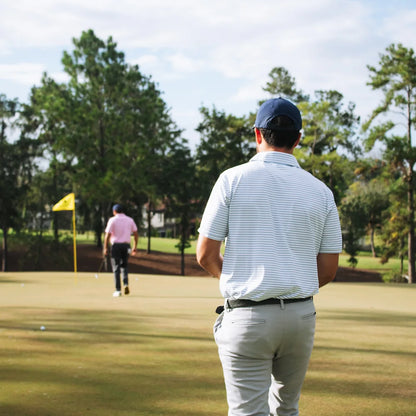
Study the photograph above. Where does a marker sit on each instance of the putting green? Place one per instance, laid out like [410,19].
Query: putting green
[152,352]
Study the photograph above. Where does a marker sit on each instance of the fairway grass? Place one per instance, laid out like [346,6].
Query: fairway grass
[152,352]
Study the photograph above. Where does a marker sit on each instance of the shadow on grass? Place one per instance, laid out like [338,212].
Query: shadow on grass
[99,326]
[106,363]
[365,317]
[365,355]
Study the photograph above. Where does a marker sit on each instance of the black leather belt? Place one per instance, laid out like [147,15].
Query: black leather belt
[244,303]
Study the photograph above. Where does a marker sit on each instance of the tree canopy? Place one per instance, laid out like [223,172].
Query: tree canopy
[395,77]
[107,134]
[109,122]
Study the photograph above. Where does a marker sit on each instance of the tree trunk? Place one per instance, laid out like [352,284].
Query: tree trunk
[410,194]
[5,251]
[184,240]
[39,245]
[55,226]
[149,227]
[55,192]
[401,256]
[98,226]
[411,224]
[183,261]
[373,248]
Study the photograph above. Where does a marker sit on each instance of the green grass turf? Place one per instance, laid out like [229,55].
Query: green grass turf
[367,262]
[152,352]
[167,245]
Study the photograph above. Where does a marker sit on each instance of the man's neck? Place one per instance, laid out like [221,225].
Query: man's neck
[274,149]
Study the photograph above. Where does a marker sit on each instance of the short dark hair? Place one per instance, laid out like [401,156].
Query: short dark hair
[283,134]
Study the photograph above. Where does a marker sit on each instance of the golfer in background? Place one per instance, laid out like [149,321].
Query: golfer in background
[118,231]
[283,240]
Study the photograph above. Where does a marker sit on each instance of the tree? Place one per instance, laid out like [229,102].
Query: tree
[161,135]
[353,222]
[329,124]
[395,77]
[283,84]
[394,230]
[15,173]
[373,201]
[328,142]
[110,121]
[100,125]
[328,145]
[226,141]
[45,118]
[181,186]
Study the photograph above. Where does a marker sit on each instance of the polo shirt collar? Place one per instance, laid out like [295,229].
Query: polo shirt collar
[276,157]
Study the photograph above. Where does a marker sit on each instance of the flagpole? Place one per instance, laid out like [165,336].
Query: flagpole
[68,204]
[75,244]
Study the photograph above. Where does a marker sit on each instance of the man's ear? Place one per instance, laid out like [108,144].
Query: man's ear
[259,137]
[298,140]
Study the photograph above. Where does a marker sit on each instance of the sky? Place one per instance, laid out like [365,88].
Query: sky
[211,52]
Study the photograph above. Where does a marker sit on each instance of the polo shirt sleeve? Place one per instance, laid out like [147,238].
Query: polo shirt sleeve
[332,237]
[133,226]
[109,227]
[214,223]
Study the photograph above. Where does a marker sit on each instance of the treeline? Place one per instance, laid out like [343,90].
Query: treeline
[107,135]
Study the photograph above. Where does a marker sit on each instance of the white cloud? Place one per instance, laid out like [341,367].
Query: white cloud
[230,45]
[24,73]
[401,27]
[251,91]
[147,61]
[59,76]
[184,64]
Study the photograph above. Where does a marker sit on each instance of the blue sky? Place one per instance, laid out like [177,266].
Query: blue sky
[214,52]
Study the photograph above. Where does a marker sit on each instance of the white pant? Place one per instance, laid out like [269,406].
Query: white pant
[265,351]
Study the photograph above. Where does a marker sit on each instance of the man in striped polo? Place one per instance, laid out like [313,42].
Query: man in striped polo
[118,231]
[283,239]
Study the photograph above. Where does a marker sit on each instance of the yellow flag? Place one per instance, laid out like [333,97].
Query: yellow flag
[67,203]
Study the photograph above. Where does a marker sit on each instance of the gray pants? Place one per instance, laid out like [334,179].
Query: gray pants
[265,351]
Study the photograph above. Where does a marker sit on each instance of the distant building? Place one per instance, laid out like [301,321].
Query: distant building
[161,225]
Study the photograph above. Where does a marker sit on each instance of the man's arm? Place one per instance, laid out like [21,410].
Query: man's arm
[208,255]
[105,248]
[327,267]
[136,239]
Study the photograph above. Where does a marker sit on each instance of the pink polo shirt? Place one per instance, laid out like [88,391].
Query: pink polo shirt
[121,227]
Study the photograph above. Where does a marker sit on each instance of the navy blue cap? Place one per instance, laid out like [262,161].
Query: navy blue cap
[117,208]
[277,107]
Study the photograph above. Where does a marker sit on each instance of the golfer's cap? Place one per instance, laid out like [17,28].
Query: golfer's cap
[277,107]
[117,208]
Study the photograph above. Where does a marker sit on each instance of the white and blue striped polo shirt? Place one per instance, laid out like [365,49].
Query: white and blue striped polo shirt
[276,218]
